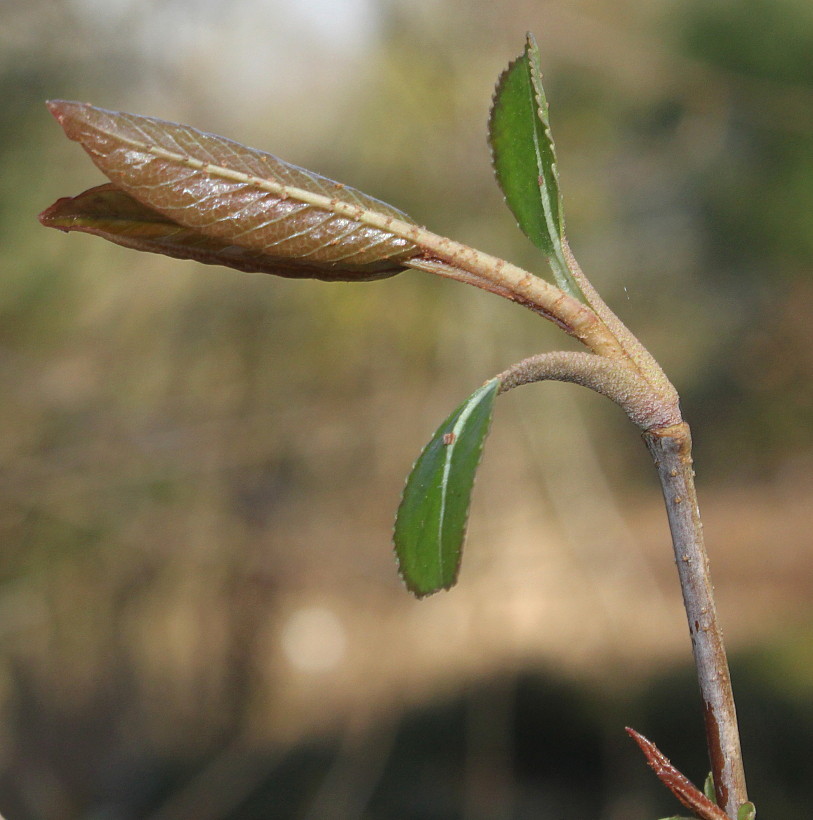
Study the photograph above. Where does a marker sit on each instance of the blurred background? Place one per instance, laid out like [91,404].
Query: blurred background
[200,615]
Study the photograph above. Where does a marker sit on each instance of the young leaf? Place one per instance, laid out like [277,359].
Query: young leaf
[524,159]
[677,783]
[708,788]
[431,521]
[747,811]
[252,210]
[110,213]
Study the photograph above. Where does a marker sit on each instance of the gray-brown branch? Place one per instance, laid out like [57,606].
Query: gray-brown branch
[671,448]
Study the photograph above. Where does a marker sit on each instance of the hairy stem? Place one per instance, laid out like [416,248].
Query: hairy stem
[671,449]
[618,381]
[677,783]
[637,353]
[453,260]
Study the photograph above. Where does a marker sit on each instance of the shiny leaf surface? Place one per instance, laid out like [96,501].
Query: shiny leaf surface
[524,159]
[431,521]
[107,212]
[252,210]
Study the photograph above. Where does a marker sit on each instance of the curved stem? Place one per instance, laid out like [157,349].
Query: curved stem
[671,448]
[616,380]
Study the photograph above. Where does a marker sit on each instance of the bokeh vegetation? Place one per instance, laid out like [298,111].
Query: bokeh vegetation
[199,614]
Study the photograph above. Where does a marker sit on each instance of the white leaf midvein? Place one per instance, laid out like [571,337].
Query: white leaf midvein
[279,189]
[456,432]
[334,205]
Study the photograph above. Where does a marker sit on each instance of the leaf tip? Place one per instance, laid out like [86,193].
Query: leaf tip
[71,115]
[747,811]
[60,108]
[47,218]
[419,584]
[418,592]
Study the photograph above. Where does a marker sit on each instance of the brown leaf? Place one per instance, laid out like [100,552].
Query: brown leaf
[194,195]
[110,213]
[677,783]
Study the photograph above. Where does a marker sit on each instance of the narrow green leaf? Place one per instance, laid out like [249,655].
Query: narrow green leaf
[524,160]
[708,788]
[747,811]
[431,521]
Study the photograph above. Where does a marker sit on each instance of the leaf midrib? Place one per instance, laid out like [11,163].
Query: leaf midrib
[542,183]
[456,431]
[334,205]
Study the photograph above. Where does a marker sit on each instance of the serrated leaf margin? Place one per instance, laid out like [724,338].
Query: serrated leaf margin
[449,435]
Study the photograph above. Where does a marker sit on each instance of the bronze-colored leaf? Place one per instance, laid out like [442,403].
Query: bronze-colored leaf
[674,780]
[200,196]
[110,213]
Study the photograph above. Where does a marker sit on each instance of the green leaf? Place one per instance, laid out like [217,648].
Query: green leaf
[188,194]
[524,160]
[747,811]
[431,521]
[708,788]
